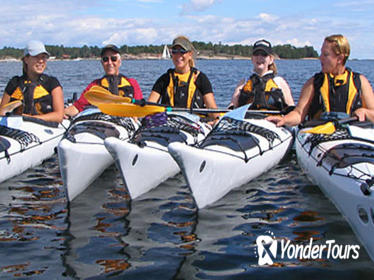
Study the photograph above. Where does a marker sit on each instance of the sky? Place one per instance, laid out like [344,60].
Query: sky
[145,22]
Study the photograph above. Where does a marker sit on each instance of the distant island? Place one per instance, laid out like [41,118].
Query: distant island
[205,51]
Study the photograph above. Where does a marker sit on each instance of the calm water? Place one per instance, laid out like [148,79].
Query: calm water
[102,234]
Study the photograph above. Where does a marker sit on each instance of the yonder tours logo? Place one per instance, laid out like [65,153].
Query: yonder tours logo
[269,249]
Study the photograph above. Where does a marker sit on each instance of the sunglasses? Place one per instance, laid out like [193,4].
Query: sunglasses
[112,58]
[261,53]
[181,51]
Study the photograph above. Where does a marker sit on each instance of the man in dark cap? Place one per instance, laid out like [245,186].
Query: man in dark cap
[113,81]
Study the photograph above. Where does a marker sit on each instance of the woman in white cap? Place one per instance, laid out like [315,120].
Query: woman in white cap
[41,95]
[264,89]
[183,86]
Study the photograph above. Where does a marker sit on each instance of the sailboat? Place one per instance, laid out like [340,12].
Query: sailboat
[166,53]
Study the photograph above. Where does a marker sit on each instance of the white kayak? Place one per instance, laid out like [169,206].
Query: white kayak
[82,154]
[235,152]
[342,165]
[144,161]
[26,142]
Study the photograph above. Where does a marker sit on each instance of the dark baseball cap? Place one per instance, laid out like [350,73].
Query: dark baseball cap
[184,43]
[263,45]
[109,47]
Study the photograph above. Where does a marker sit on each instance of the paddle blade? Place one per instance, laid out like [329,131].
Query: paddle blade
[9,107]
[129,110]
[239,113]
[327,128]
[97,94]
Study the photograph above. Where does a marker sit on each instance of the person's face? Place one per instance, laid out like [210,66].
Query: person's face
[329,60]
[111,62]
[181,58]
[261,61]
[36,64]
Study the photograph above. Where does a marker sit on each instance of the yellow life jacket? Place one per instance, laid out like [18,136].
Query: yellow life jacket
[118,85]
[182,90]
[263,92]
[341,93]
[35,97]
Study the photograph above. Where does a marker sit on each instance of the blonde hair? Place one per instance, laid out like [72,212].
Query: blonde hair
[340,45]
[273,66]
[191,62]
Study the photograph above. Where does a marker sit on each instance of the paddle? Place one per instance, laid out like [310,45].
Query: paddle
[126,107]
[132,110]
[98,95]
[9,107]
[330,127]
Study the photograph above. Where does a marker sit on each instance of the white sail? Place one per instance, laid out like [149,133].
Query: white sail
[166,53]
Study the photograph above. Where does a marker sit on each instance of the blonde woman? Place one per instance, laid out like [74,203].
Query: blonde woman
[335,89]
[183,86]
[264,89]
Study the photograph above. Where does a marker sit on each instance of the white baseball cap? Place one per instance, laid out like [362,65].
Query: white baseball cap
[34,48]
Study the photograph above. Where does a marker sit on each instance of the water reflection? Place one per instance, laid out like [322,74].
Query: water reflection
[102,234]
[32,223]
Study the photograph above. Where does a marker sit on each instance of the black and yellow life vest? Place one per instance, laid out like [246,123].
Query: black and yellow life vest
[182,90]
[35,97]
[118,85]
[341,93]
[263,92]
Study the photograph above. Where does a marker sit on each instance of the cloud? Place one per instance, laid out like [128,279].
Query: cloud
[91,22]
[354,4]
[267,17]
[198,5]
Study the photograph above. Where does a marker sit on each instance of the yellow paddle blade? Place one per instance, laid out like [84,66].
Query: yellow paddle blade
[97,95]
[9,107]
[327,128]
[129,110]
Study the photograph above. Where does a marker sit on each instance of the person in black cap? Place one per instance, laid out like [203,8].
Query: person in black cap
[113,81]
[264,89]
[41,95]
[183,86]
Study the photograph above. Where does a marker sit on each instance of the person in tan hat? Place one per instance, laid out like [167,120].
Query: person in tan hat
[183,86]
[264,89]
[113,81]
[41,95]
[335,89]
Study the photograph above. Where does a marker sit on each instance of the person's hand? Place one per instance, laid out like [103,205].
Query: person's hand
[213,122]
[278,120]
[361,114]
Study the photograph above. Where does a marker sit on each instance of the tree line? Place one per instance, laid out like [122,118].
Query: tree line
[208,49]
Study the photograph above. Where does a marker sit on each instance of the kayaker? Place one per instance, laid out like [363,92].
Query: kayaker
[113,81]
[183,86]
[264,88]
[41,95]
[335,89]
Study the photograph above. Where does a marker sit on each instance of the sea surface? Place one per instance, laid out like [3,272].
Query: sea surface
[102,234]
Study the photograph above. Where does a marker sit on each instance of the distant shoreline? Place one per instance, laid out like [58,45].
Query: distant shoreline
[147,56]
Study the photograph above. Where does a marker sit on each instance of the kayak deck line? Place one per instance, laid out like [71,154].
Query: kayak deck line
[26,142]
[239,136]
[220,164]
[343,168]
[144,161]
[82,149]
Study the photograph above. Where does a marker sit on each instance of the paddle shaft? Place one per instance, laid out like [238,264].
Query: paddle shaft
[344,121]
[142,102]
[127,107]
